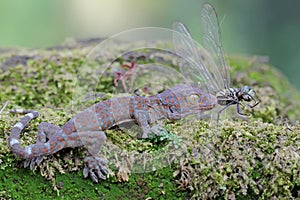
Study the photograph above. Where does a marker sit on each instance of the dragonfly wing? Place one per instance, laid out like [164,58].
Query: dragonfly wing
[211,40]
[187,48]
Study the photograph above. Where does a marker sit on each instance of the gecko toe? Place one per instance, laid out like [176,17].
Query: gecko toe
[99,173]
[93,176]
[85,172]
[26,163]
[104,169]
[39,160]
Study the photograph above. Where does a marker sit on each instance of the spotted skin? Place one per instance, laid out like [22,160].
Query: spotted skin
[87,128]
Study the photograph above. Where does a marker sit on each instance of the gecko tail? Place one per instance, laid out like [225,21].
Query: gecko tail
[14,138]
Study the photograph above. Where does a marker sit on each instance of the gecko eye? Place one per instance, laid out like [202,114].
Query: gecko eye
[193,99]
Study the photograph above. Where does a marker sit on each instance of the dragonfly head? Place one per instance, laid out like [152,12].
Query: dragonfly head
[236,96]
[246,93]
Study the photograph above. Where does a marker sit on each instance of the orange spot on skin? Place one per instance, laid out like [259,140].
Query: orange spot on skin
[68,132]
[52,145]
[70,138]
[100,107]
[83,123]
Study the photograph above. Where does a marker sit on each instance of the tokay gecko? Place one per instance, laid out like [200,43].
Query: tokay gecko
[87,128]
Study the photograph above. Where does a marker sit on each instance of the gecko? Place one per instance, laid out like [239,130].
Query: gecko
[88,127]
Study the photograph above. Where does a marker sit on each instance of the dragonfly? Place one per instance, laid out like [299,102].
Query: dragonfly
[210,69]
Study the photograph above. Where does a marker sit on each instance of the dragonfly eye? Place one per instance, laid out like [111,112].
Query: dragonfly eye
[247,93]
[193,99]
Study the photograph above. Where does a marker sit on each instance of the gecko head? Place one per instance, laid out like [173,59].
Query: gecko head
[192,99]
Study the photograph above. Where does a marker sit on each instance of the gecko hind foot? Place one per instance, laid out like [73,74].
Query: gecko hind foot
[33,161]
[96,167]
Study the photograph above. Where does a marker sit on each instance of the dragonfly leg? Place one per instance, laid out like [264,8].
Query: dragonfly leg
[220,111]
[239,110]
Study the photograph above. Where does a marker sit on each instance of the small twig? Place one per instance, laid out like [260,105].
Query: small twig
[4,106]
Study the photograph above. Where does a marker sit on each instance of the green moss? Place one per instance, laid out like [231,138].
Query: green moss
[254,159]
[21,183]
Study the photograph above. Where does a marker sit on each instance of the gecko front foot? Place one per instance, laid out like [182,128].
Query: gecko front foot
[33,161]
[95,167]
[156,130]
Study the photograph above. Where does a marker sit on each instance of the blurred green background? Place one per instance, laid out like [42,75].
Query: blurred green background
[263,27]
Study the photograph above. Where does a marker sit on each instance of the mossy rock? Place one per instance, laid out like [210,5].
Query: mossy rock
[238,159]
